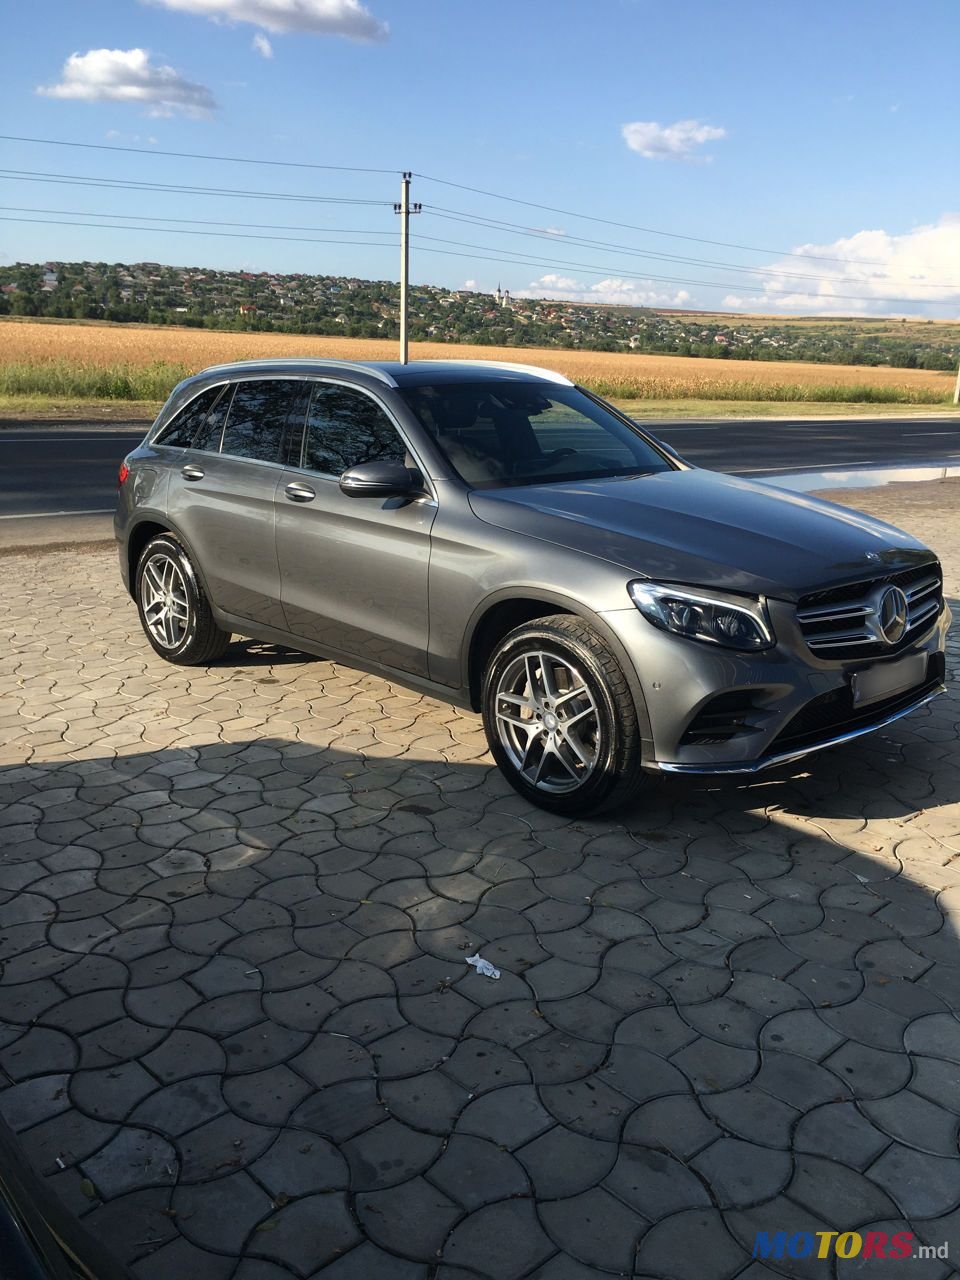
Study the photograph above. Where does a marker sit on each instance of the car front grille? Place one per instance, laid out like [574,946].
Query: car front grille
[833,714]
[839,623]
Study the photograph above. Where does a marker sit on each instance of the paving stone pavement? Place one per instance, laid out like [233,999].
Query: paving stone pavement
[237,1032]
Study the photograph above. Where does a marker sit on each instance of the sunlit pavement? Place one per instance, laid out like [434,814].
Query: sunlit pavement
[239,1036]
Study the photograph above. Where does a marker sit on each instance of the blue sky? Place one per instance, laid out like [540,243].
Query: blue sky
[826,130]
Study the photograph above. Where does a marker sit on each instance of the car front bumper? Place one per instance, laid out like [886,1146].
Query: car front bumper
[793,703]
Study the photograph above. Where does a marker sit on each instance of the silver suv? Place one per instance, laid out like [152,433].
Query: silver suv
[497,537]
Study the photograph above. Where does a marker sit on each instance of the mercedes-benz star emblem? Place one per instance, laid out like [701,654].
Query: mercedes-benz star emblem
[892,612]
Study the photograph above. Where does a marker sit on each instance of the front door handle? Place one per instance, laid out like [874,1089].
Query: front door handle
[191,471]
[297,491]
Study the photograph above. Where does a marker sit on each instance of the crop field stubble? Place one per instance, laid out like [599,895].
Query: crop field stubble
[142,362]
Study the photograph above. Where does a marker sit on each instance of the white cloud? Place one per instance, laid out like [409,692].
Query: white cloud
[262,45]
[128,75]
[916,273]
[627,293]
[347,18]
[117,135]
[469,284]
[552,231]
[669,141]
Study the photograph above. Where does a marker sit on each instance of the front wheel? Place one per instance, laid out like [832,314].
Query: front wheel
[560,718]
[174,612]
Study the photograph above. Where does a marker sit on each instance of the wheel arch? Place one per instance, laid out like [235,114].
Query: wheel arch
[150,526]
[509,608]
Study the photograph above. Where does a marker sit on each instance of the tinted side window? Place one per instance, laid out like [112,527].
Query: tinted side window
[346,427]
[183,426]
[257,418]
[208,437]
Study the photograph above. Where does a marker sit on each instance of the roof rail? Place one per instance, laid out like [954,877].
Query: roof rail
[356,367]
[550,375]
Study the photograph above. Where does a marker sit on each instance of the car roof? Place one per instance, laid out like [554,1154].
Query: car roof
[391,372]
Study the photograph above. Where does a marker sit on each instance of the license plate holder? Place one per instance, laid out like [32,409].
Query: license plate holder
[885,679]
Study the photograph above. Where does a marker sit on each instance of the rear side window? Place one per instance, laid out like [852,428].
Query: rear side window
[346,427]
[183,426]
[207,438]
[257,418]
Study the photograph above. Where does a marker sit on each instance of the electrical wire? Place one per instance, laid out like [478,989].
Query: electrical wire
[425,177]
[474,255]
[539,233]
[708,284]
[199,222]
[649,231]
[182,231]
[193,155]
[117,184]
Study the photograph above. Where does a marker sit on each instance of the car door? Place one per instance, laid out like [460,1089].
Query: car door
[222,495]
[353,571]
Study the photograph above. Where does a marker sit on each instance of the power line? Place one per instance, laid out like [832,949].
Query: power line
[199,222]
[192,155]
[709,284]
[459,186]
[182,231]
[474,256]
[116,184]
[539,233]
[99,183]
[628,226]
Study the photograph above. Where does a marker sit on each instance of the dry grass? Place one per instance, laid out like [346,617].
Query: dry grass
[142,358]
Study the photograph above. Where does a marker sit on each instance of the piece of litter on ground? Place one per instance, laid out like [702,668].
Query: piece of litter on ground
[483,966]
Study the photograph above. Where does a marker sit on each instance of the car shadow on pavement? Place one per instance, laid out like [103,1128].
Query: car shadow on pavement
[261,653]
[239,1038]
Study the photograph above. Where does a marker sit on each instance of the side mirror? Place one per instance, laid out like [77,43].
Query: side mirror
[383,479]
[671,451]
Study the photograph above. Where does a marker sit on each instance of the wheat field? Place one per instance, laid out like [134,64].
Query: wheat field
[144,361]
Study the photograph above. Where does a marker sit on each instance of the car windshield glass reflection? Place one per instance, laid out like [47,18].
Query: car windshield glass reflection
[498,434]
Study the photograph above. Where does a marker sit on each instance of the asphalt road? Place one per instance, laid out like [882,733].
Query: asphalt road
[56,471]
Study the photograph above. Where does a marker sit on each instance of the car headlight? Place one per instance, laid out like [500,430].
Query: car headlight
[735,622]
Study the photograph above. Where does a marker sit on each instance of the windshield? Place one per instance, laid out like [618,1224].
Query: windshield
[496,434]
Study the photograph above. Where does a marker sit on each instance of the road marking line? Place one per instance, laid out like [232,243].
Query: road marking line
[65,439]
[46,515]
[808,466]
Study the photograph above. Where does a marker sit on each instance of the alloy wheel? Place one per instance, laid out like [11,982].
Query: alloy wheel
[164,600]
[547,721]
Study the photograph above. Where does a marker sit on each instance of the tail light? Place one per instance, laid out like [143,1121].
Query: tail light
[122,474]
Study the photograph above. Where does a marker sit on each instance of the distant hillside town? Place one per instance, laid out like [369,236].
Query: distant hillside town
[149,292]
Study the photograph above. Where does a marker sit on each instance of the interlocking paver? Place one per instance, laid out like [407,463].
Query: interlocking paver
[234,910]
[501,1241]
[920,1184]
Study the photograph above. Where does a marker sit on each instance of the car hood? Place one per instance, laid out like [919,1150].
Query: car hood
[701,527]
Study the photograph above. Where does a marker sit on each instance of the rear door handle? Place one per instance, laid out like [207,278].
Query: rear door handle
[297,491]
[191,471]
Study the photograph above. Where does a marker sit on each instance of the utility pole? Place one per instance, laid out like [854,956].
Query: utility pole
[404,208]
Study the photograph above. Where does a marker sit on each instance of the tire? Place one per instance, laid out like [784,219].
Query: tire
[174,611]
[582,751]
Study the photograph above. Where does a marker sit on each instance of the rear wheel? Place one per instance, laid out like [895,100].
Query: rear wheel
[560,719]
[174,612]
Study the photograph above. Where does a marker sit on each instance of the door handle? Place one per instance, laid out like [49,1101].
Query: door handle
[297,491]
[191,471]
